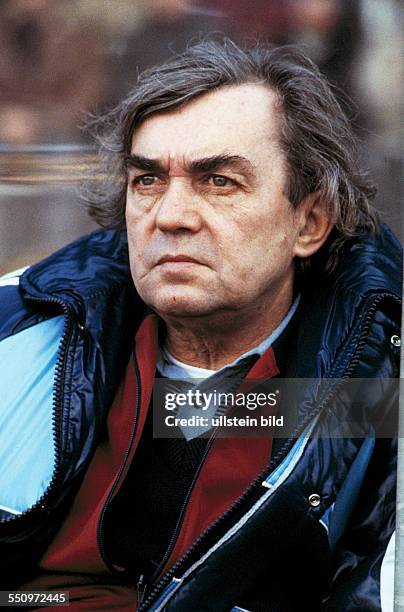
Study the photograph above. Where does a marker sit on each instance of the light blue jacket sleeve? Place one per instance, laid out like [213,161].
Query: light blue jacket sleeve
[27,375]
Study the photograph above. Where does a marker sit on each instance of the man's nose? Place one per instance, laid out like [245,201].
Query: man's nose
[178,208]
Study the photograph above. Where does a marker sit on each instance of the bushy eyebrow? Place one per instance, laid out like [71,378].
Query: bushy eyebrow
[143,163]
[220,162]
[213,163]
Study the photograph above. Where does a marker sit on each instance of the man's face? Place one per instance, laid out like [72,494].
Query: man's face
[209,227]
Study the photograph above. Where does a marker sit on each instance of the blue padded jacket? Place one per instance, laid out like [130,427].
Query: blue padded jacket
[313,529]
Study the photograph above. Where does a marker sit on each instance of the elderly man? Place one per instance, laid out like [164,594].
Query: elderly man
[231,181]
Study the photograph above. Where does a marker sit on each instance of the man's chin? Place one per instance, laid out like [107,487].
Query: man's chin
[177,305]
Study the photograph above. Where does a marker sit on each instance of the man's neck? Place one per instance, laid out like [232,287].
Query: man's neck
[215,343]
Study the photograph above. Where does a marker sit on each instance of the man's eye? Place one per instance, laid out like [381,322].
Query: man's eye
[221,181]
[145,180]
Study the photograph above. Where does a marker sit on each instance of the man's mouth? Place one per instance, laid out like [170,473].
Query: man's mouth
[177,259]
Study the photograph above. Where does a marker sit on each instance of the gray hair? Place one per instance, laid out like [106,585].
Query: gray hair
[315,136]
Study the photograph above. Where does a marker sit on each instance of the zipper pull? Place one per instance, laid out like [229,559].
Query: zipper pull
[141,590]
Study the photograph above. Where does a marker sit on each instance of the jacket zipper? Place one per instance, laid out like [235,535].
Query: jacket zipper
[100,534]
[140,590]
[282,453]
[40,505]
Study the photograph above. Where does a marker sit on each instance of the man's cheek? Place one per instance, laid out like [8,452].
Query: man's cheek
[136,262]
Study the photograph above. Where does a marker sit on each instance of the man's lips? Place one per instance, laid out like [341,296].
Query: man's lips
[177,259]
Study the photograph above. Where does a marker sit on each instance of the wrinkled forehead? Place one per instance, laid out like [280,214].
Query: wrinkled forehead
[240,120]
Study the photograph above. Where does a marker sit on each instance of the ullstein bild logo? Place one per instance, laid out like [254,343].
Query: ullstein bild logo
[223,421]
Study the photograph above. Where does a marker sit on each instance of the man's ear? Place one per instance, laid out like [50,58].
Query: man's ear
[314,225]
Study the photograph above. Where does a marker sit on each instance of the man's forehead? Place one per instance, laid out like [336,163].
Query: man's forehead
[226,119]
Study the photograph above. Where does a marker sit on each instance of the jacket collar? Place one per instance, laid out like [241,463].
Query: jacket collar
[94,264]
[332,306]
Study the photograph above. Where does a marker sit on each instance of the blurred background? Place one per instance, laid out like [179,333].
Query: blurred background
[62,58]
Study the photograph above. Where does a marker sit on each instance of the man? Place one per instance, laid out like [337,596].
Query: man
[254,252]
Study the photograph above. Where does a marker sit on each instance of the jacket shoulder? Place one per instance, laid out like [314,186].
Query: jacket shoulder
[15,315]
